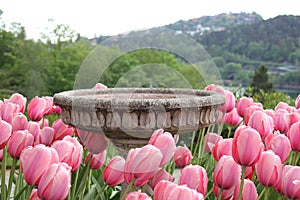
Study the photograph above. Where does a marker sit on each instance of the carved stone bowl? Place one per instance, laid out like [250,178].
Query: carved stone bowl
[128,116]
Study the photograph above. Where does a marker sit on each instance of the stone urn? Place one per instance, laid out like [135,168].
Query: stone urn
[128,116]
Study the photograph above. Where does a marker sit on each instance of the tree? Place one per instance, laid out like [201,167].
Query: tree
[260,81]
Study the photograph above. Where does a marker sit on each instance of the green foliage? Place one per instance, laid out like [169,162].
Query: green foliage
[260,81]
[150,68]
[275,40]
[271,99]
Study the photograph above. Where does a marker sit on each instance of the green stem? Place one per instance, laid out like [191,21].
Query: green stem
[127,189]
[261,194]
[3,172]
[229,131]
[220,194]
[100,191]
[192,142]
[28,191]
[11,176]
[267,193]
[85,180]
[295,158]
[74,184]
[242,182]
[200,146]
[17,196]
[220,127]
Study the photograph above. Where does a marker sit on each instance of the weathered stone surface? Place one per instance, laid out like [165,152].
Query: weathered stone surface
[132,114]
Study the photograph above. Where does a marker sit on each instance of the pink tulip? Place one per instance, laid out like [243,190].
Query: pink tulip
[97,160]
[5,133]
[161,174]
[19,122]
[294,117]
[261,122]
[138,195]
[113,173]
[279,144]
[297,102]
[69,151]
[222,147]
[270,113]
[290,182]
[1,155]
[61,129]
[18,99]
[47,136]
[166,190]
[215,88]
[19,141]
[34,161]
[269,168]
[242,104]
[229,103]
[141,164]
[249,111]
[34,129]
[94,142]
[49,105]
[281,120]
[36,108]
[249,191]
[99,86]
[284,106]
[232,118]
[226,194]
[294,136]
[182,156]
[247,146]
[56,182]
[8,110]
[195,177]
[210,140]
[34,195]
[164,141]
[227,173]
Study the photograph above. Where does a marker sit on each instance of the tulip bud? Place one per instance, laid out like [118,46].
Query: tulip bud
[182,156]
[222,147]
[138,195]
[19,122]
[232,118]
[61,129]
[247,146]
[294,136]
[34,195]
[94,142]
[165,143]
[242,104]
[141,164]
[113,173]
[210,141]
[290,181]
[5,133]
[227,173]
[19,141]
[34,161]
[249,191]
[8,110]
[194,177]
[297,102]
[47,136]
[162,174]
[261,122]
[56,182]
[268,168]
[281,120]
[97,160]
[69,151]
[18,99]
[279,144]
[99,86]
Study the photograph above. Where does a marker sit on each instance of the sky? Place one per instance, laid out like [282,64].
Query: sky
[111,17]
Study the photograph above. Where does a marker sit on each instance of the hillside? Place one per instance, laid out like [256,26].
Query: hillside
[274,40]
[207,24]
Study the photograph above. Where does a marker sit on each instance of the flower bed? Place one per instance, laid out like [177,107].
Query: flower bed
[251,153]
